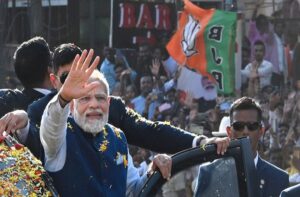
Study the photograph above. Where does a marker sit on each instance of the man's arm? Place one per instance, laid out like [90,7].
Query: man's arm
[156,136]
[53,134]
[54,121]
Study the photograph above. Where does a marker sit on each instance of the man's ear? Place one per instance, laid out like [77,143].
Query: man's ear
[108,99]
[229,132]
[261,131]
[53,80]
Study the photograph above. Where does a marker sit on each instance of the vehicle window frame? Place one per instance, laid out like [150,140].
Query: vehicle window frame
[239,149]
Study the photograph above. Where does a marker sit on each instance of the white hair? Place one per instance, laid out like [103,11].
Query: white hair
[98,76]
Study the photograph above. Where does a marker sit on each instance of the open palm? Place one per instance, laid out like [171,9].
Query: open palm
[76,85]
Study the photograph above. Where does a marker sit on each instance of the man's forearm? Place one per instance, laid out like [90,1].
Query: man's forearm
[53,126]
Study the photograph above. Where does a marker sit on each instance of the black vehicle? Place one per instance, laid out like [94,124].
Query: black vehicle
[230,175]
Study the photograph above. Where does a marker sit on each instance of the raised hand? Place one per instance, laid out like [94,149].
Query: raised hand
[76,84]
[155,67]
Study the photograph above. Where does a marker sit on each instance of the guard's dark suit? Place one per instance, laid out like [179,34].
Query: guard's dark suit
[271,179]
[291,191]
[155,136]
[15,99]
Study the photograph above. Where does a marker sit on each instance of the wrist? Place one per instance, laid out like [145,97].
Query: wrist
[62,100]
[201,140]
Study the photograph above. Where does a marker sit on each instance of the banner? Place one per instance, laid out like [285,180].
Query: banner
[137,22]
[205,42]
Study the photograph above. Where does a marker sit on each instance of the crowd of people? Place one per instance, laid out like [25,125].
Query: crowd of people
[147,108]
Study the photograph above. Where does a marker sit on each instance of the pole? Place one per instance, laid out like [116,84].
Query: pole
[111,23]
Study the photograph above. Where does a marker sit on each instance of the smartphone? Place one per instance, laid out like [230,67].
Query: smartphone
[164,106]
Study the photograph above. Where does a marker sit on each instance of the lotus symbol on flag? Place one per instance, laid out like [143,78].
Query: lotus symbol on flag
[190,32]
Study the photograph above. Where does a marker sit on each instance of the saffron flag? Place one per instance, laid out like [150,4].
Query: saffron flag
[205,42]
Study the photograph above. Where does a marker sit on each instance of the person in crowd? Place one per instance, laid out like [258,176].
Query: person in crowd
[208,100]
[127,89]
[246,52]
[108,66]
[84,140]
[296,64]
[291,41]
[294,170]
[128,94]
[150,92]
[32,61]
[246,121]
[281,78]
[260,28]
[258,72]
[143,60]
[142,102]
[145,63]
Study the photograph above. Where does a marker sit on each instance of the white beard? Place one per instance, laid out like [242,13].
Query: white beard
[90,126]
[210,94]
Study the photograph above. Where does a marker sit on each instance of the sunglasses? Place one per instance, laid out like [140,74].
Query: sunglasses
[240,126]
[63,77]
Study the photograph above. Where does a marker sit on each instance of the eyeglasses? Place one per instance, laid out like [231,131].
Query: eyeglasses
[63,77]
[240,126]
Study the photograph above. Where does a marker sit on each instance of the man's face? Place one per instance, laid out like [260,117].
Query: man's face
[118,71]
[144,52]
[91,112]
[207,83]
[263,26]
[279,28]
[130,94]
[250,117]
[210,92]
[62,71]
[297,85]
[259,52]
[157,53]
[109,53]
[146,84]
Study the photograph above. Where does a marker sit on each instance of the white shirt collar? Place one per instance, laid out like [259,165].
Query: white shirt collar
[42,90]
[256,159]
